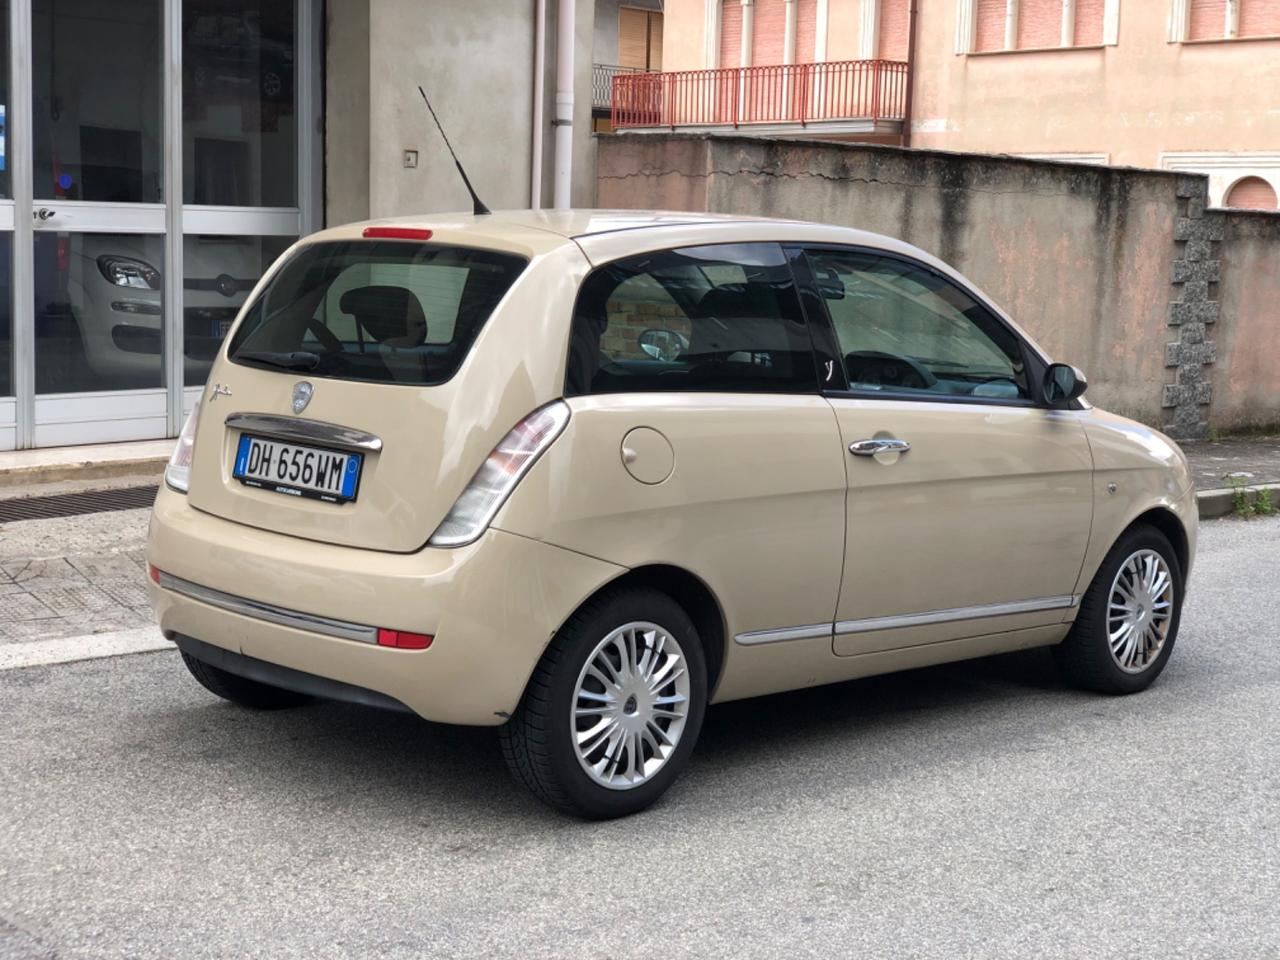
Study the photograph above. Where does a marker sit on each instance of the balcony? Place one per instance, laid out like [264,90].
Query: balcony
[866,97]
[602,75]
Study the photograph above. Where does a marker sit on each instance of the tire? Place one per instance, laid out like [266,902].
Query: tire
[539,742]
[1085,657]
[240,690]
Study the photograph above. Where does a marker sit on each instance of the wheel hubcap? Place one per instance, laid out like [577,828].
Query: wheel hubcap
[630,705]
[1140,611]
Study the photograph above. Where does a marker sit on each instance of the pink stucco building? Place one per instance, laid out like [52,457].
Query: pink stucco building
[1173,84]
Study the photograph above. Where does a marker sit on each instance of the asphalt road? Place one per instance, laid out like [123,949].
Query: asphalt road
[976,810]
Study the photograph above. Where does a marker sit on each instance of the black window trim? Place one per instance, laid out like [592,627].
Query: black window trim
[1034,364]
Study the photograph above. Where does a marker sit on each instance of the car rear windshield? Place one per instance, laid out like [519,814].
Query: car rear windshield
[380,311]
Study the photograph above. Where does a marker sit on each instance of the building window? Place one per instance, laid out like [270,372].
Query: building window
[985,26]
[894,22]
[768,29]
[1223,19]
[639,38]
[1252,193]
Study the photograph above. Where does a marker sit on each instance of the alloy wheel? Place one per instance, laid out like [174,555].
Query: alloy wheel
[1140,610]
[630,705]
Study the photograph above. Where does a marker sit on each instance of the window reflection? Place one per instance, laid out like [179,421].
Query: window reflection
[218,273]
[239,124]
[96,100]
[98,311]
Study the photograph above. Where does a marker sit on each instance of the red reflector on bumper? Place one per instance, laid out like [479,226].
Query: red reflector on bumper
[395,233]
[403,639]
[153,573]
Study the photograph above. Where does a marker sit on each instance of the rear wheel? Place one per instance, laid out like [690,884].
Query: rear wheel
[614,707]
[1128,621]
[240,690]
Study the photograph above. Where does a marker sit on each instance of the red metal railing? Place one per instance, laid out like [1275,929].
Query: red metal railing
[782,93]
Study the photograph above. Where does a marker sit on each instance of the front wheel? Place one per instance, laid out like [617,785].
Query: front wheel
[1128,621]
[614,707]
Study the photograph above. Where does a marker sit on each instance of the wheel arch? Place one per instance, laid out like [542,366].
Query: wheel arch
[1169,524]
[694,596]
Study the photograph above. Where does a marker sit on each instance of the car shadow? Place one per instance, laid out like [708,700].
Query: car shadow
[326,751]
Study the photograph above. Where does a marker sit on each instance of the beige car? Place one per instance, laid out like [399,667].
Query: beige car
[578,475]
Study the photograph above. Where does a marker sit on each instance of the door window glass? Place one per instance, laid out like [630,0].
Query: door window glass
[718,318]
[903,329]
[96,100]
[239,125]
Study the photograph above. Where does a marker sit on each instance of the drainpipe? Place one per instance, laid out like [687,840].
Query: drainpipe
[539,93]
[909,96]
[564,103]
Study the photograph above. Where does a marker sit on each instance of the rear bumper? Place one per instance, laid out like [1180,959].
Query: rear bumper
[492,607]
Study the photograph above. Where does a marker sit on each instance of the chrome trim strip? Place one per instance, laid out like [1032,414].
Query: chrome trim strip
[310,622]
[979,612]
[305,431]
[813,632]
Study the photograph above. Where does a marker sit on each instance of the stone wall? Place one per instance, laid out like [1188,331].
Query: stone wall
[1245,375]
[1122,272]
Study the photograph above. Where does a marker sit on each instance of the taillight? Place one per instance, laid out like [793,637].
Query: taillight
[499,474]
[178,473]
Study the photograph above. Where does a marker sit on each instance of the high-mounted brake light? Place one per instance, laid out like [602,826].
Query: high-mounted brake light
[499,474]
[395,233]
[403,639]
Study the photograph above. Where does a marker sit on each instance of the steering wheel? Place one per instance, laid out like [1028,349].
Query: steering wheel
[887,370]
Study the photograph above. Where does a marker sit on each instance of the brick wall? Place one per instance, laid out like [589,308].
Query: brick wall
[730,33]
[1089,18]
[1259,18]
[1208,19]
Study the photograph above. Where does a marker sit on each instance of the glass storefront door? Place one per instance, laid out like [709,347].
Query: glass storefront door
[157,170]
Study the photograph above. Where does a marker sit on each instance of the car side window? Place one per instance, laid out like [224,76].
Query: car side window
[903,329]
[717,318]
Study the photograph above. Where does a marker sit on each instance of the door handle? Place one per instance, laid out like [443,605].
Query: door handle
[869,448]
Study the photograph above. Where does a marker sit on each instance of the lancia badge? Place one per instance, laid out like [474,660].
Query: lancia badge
[301,395]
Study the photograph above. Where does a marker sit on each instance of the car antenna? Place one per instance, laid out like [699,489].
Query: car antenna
[477,205]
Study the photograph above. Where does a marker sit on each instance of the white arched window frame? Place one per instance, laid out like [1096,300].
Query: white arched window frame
[967,24]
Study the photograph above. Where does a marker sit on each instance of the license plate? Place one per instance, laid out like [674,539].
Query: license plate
[296,470]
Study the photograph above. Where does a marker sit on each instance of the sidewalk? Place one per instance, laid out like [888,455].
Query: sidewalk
[1255,461]
[92,462]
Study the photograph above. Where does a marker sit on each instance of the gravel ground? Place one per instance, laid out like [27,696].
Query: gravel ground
[974,810]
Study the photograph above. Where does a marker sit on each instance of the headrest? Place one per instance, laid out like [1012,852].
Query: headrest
[390,315]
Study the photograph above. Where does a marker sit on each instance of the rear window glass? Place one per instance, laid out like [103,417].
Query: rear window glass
[382,311]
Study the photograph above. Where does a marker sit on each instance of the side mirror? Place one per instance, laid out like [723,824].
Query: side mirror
[1062,384]
[663,344]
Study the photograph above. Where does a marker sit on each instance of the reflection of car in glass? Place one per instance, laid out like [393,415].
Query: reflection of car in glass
[114,289]
[579,475]
[229,52]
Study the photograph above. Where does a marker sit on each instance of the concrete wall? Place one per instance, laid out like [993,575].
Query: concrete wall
[1113,270]
[1246,373]
[346,81]
[475,60]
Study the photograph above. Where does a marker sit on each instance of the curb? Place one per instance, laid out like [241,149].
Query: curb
[82,470]
[1217,503]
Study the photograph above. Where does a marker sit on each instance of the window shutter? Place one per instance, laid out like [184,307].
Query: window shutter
[730,33]
[1252,193]
[806,30]
[1089,17]
[633,37]
[768,32]
[990,32]
[1208,19]
[893,29]
[1039,23]
[1259,18]
[655,41]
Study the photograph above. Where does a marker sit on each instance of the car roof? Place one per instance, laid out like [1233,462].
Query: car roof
[605,235]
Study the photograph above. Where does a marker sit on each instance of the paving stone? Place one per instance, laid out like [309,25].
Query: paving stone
[18,606]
